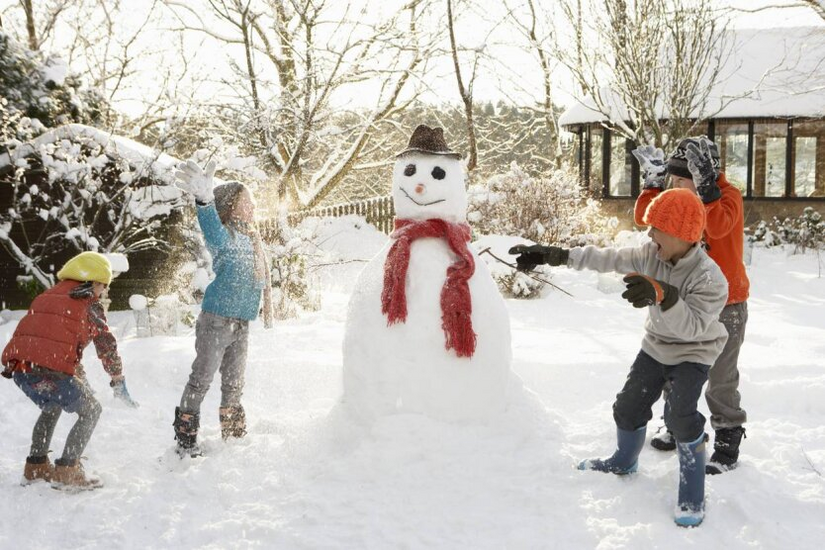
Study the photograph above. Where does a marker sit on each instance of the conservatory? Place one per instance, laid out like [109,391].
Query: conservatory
[770,127]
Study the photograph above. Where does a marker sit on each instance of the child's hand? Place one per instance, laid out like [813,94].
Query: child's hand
[531,256]
[652,162]
[700,164]
[644,291]
[196,181]
[121,393]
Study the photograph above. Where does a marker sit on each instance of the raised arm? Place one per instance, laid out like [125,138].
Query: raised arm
[606,260]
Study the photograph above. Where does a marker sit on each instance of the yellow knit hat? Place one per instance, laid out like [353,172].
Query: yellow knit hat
[87,266]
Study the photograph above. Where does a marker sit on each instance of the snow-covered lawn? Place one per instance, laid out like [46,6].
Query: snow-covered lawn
[308,477]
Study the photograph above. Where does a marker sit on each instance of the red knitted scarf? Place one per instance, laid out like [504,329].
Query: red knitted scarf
[456,304]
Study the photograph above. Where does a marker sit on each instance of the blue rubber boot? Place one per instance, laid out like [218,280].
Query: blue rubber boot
[691,508]
[625,459]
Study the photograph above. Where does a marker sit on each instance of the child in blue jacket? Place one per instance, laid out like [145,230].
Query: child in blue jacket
[226,214]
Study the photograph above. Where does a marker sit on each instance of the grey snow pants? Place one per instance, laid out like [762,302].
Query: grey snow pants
[220,343]
[722,393]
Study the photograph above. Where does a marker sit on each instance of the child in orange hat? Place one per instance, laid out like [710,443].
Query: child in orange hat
[684,291]
[695,165]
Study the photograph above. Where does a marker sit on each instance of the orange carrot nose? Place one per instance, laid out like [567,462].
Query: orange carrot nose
[420,188]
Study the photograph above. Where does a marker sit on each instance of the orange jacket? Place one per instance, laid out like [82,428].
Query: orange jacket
[724,235]
[53,333]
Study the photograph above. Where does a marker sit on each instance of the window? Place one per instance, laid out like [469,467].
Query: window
[809,159]
[596,164]
[620,168]
[770,142]
[804,166]
[732,140]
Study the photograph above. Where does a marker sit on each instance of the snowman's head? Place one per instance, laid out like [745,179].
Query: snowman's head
[428,179]
[429,186]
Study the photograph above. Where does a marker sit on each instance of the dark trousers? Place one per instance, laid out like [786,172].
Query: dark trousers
[643,387]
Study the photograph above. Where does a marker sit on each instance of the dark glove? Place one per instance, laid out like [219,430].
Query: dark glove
[121,393]
[643,291]
[700,164]
[652,162]
[531,256]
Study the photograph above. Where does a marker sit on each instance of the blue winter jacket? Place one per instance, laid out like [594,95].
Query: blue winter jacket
[235,292]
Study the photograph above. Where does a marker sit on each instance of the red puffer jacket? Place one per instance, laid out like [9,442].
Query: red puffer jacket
[53,333]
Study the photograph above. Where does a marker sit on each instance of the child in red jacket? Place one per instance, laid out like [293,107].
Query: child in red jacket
[43,357]
[695,165]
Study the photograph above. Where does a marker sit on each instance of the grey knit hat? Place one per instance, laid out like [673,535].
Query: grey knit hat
[225,196]
[677,163]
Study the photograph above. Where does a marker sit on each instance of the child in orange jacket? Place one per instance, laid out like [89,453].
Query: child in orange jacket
[694,165]
[43,357]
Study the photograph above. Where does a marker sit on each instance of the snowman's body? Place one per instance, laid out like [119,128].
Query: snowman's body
[405,367]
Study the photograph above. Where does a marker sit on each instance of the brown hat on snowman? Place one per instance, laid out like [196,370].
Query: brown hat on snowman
[429,141]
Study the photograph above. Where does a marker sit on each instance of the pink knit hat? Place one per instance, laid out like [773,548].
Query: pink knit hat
[677,212]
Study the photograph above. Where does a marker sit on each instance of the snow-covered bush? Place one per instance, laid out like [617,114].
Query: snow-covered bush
[805,232]
[43,91]
[75,188]
[511,282]
[290,251]
[552,209]
[515,284]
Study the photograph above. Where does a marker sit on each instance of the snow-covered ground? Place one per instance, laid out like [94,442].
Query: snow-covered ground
[308,477]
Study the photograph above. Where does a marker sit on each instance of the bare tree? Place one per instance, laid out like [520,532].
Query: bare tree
[818,7]
[649,67]
[529,22]
[298,57]
[465,91]
[41,22]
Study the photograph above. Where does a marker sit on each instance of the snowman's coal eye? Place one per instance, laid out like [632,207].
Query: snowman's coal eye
[409,170]
[439,173]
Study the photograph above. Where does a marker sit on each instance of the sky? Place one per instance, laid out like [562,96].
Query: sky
[516,74]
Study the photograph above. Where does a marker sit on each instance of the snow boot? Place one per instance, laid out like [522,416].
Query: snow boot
[37,468]
[691,508]
[186,433]
[725,450]
[70,476]
[625,459]
[663,440]
[233,421]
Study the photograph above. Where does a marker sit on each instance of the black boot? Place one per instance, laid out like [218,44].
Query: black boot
[233,421]
[725,450]
[663,440]
[186,432]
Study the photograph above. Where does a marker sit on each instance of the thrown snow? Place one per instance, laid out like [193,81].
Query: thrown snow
[119,262]
[306,476]
[138,302]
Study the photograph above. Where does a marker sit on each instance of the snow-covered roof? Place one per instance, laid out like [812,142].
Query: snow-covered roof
[776,72]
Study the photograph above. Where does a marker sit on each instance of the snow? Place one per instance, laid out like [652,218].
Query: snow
[138,302]
[770,73]
[55,70]
[119,262]
[141,158]
[307,476]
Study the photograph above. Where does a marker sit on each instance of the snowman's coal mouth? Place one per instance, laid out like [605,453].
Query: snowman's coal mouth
[421,203]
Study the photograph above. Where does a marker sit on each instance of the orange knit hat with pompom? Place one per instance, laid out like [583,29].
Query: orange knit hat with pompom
[677,212]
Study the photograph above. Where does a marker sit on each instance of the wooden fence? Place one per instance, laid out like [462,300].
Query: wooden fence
[378,211]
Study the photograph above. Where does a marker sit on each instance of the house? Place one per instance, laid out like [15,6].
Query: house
[768,119]
[79,188]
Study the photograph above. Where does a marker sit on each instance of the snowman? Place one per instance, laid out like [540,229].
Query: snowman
[427,330]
